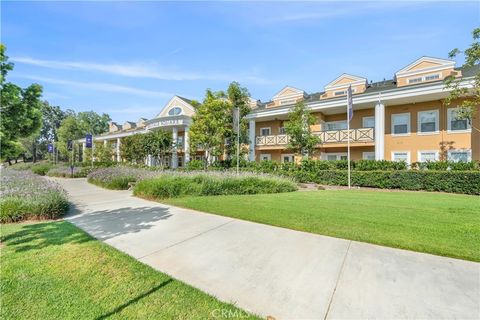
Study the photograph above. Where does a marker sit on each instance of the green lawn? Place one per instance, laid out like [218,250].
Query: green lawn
[442,224]
[53,270]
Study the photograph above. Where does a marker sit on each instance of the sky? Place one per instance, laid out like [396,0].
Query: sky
[128,59]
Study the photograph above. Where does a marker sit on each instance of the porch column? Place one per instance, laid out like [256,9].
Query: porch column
[174,148]
[251,140]
[186,142]
[84,146]
[118,150]
[379,131]
[105,143]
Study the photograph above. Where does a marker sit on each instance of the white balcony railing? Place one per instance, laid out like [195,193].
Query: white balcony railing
[330,136]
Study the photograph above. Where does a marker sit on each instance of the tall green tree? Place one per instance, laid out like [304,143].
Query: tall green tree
[302,141]
[93,123]
[20,111]
[470,96]
[132,148]
[157,143]
[70,129]
[239,98]
[210,125]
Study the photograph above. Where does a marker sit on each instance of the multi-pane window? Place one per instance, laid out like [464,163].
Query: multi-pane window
[281,130]
[400,123]
[174,111]
[368,155]
[432,77]
[265,131]
[415,80]
[265,156]
[428,121]
[288,101]
[368,122]
[460,155]
[454,123]
[401,156]
[334,156]
[336,125]
[429,77]
[425,156]
[340,93]
[287,158]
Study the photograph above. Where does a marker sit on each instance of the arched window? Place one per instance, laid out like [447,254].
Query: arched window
[174,111]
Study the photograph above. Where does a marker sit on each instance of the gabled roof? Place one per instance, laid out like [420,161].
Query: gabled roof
[338,81]
[426,64]
[176,101]
[288,91]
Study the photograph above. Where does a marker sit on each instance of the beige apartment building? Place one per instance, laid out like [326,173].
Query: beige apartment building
[399,119]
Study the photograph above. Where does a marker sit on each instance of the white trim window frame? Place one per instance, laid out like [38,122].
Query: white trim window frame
[468,153]
[265,156]
[407,154]
[366,119]
[450,117]
[434,152]
[267,129]
[423,78]
[290,156]
[408,124]
[337,155]
[281,130]
[368,155]
[436,124]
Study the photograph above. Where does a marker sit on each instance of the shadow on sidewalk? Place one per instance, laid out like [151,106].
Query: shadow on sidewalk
[106,224]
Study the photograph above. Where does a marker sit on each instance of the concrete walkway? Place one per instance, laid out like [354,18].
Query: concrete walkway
[278,272]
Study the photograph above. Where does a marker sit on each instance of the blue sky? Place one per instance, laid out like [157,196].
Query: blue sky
[129,58]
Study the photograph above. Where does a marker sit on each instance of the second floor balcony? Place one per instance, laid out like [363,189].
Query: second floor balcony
[326,137]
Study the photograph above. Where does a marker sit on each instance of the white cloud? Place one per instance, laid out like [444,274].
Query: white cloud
[152,70]
[100,86]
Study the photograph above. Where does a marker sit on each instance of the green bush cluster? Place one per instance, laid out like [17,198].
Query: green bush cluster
[467,182]
[41,168]
[50,205]
[24,195]
[201,184]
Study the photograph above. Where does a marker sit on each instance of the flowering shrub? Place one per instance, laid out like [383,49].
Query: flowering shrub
[178,184]
[119,177]
[24,195]
[66,172]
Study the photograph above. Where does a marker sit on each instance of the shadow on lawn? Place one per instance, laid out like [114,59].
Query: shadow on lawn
[41,235]
[134,300]
[106,224]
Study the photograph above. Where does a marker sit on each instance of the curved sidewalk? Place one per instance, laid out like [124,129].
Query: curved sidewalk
[274,271]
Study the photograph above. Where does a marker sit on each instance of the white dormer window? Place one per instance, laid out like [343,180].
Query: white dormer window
[415,80]
[289,101]
[175,111]
[432,77]
[343,92]
[428,77]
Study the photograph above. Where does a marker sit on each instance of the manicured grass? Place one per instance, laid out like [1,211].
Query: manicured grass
[53,270]
[442,224]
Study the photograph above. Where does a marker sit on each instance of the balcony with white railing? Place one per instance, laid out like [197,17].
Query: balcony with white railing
[360,135]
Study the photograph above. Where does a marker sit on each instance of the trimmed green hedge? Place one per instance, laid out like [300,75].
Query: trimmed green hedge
[467,182]
[175,185]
